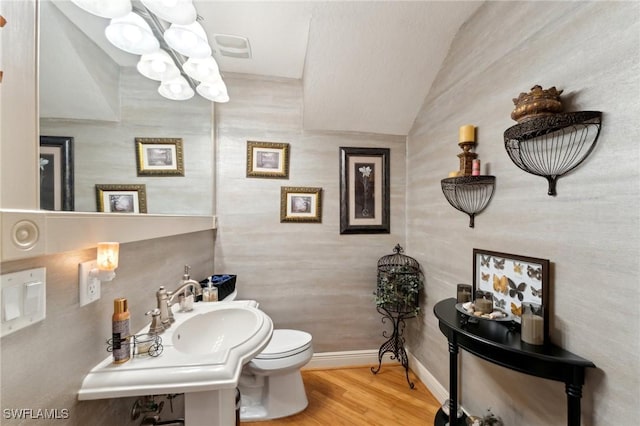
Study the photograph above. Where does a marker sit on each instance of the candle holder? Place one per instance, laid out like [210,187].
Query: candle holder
[466,157]
[463,293]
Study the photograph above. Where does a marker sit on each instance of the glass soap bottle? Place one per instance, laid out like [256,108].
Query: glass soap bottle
[210,293]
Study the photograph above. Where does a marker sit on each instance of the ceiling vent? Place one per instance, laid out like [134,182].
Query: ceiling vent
[232,46]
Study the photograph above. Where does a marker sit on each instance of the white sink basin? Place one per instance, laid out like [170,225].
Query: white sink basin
[203,351]
[217,330]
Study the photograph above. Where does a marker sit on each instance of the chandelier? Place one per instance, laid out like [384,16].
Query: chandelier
[173,46]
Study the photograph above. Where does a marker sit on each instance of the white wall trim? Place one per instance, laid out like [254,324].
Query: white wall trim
[346,359]
[56,232]
[425,376]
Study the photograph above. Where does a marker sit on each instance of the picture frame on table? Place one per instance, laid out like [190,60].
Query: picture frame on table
[512,280]
[364,191]
[267,160]
[116,198]
[56,173]
[159,157]
[300,204]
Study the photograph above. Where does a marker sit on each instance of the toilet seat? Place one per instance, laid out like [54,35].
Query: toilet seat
[285,343]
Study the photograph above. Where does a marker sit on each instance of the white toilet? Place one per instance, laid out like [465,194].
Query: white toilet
[271,384]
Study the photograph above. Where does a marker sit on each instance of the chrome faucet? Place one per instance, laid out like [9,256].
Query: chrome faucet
[181,291]
[166,299]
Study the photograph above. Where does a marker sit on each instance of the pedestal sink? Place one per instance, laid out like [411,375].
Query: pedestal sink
[204,351]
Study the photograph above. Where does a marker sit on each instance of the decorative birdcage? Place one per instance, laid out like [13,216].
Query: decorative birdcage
[399,283]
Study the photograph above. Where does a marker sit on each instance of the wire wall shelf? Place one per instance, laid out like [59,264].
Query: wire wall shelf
[469,194]
[553,145]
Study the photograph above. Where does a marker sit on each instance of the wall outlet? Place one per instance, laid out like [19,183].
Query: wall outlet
[88,282]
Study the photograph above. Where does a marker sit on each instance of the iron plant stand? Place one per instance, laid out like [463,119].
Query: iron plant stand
[395,343]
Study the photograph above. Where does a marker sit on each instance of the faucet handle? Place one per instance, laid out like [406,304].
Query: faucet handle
[156,326]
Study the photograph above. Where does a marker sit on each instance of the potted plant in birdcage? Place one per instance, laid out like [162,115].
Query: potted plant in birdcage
[398,290]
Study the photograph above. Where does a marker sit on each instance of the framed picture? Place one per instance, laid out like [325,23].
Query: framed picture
[121,198]
[364,190]
[56,173]
[300,204]
[268,160]
[159,157]
[512,280]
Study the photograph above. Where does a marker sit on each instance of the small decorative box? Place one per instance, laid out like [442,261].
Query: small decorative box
[226,284]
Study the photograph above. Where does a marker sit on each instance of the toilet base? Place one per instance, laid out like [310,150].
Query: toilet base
[279,396]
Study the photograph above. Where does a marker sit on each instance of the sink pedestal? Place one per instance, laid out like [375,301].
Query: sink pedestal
[210,408]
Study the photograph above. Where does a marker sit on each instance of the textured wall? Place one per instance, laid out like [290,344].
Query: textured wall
[43,365]
[590,231]
[105,152]
[305,275]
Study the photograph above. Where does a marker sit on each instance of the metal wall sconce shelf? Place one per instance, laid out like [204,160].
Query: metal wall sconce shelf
[552,145]
[469,194]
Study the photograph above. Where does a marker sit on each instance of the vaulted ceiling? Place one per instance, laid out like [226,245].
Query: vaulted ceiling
[365,66]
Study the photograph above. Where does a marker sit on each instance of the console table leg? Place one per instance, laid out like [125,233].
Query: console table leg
[453,381]
[574,394]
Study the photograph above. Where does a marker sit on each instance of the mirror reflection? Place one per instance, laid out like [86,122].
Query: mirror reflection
[93,98]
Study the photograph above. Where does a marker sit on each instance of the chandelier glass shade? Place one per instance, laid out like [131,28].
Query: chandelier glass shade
[189,40]
[105,9]
[202,69]
[176,89]
[175,11]
[215,91]
[132,34]
[175,52]
[158,66]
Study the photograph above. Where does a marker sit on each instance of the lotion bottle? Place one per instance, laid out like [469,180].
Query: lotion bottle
[120,331]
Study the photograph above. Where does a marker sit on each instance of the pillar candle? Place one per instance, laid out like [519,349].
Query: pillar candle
[484,305]
[475,168]
[467,133]
[532,324]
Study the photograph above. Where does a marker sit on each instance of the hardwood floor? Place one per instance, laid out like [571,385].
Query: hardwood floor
[355,396]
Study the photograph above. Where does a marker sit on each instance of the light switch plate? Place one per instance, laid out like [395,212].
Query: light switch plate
[24,299]
[88,284]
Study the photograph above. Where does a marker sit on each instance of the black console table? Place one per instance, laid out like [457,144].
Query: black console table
[494,342]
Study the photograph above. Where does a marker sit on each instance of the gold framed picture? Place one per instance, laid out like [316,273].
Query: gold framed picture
[268,160]
[159,157]
[112,198]
[300,204]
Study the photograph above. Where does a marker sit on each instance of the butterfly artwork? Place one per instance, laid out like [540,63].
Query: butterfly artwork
[498,263]
[500,284]
[535,273]
[485,260]
[485,277]
[499,303]
[517,268]
[517,291]
[516,310]
[536,292]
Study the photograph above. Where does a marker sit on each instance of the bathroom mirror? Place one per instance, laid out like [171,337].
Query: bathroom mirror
[91,92]
[28,232]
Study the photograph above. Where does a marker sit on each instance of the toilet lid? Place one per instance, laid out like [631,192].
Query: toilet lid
[285,343]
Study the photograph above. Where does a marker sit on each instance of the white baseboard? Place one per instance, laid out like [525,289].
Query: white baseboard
[327,360]
[425,376]
[346,359]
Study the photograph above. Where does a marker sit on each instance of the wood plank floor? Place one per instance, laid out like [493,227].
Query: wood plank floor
[355,396]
